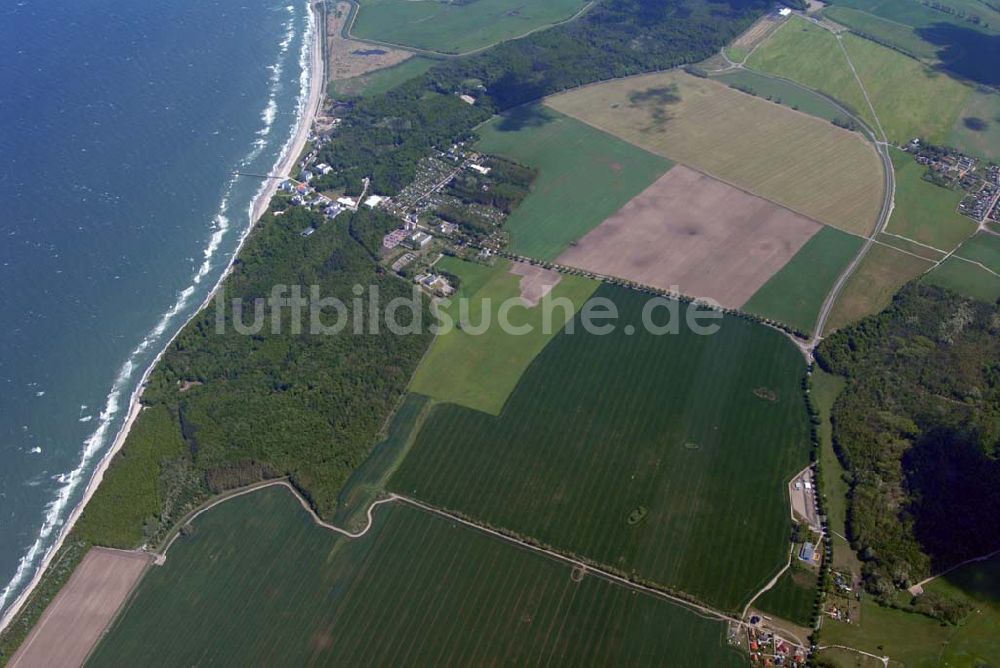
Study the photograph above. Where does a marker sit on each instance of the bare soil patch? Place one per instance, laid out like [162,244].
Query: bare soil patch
[758,32]
[350,58]
[77,617]
[695,234]
[536,282]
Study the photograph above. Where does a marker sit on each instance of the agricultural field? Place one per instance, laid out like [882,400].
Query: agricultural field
[977,128]
[965,278]
[796,293]
[809,54]
[983,248]
[415,590]
[666,457]
[783,92]
[915,640]
[480,370]
[925,212]
[881,274]
[456,27]
[910,98]
[793,597]
[692,234]
[74,621]
[348,58]
[912,247]
[584,176]
[805,164]
[380,81]
[959,45]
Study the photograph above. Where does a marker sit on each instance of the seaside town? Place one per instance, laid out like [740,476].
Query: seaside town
[447,206]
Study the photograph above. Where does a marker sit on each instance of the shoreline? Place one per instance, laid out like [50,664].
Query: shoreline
[286,161]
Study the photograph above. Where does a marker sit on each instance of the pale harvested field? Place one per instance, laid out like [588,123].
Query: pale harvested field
[695,234]
[758,32]
[536,282]
[798,161]
[77,617]
[350,58]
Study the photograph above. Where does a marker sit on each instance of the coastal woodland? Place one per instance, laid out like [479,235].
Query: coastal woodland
[918,431]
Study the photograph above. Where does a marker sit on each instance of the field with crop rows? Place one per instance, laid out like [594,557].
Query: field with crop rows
[416,590]
[663,456]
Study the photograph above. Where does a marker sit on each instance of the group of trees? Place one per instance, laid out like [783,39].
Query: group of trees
[918,430]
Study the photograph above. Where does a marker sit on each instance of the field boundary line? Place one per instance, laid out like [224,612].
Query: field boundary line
[973,560]
[978,264]
[906,252]
[914,241]
[883,659]
[161,556]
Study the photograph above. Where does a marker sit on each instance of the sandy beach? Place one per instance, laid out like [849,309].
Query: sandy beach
[293,149]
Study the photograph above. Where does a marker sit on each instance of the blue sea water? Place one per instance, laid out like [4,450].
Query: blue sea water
[121,124]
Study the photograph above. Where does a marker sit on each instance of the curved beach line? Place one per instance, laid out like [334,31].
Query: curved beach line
[310,97]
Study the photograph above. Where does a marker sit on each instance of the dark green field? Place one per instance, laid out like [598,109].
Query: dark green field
[584,176]
[782,92]
[258,583]
[650,454]
[793,597]
[795,294]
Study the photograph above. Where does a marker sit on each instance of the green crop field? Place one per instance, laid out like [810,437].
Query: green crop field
[881,274]
[925,212]
[793,596]
[917,641]
[898,34]
[965,278]
[379,81]
[585,176]
[454,27]
[795,294]
[783,92]
[983,248]
[481,370]
[810,55]
[977,128]
[663,456]
[258,583]
[910,98]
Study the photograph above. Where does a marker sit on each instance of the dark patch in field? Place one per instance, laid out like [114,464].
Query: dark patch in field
[965,52]
[369,52]
[654,100]
[765,393]
[975,124]
[529,116]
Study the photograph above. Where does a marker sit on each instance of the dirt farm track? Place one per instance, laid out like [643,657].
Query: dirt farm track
[75,620]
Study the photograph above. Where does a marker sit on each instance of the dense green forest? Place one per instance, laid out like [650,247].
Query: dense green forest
[918,430]
[386,135]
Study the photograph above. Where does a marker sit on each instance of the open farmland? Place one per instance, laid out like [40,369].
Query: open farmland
[480,370]
[349,58]
[881,274]
[781,91]
[796,293]
[379,81]
[925,212]
[74,621]
[584,176]
[793,596]
[667,457]
[696,235]
[977,128]
[456,27]
[800,162]
[910,98]
[983,248]
[258,583]
[809,54]
[965,278]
